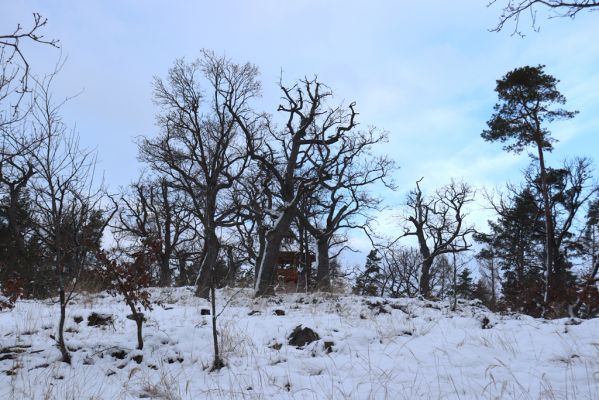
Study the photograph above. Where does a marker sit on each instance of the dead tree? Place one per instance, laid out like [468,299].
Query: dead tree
[154,210]
[288,153]
[344,200]
[438,224]
[513,10]
[199,148]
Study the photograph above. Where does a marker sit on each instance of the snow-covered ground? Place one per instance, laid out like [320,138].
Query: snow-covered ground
[383,349]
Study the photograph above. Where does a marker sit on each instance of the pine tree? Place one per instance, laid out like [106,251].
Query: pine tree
[516,240]
[369,281]
[527,100]
[465,286]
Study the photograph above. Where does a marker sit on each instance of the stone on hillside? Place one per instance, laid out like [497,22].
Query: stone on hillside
[97,319]
[302,336]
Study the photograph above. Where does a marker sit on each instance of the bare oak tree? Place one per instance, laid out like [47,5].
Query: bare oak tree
[199,148]
[437,222]
[344,200]
[288,153]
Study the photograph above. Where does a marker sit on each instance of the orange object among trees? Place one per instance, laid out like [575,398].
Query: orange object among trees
[288,264]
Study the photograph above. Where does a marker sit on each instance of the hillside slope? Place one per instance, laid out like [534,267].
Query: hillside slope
[375,348]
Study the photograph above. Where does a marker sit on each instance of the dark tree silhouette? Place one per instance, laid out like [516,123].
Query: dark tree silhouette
[437,222]
[199,149]
[296,156]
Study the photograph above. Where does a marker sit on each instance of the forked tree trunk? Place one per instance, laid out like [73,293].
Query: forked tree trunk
[427,262]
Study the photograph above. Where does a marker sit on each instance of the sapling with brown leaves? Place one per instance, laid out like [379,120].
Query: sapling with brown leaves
[131,279]
[10,292]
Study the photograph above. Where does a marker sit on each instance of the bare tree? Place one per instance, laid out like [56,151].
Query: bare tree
[438,224]
[288,154]
[513,10]
[70,216]
[201,151]
[400,271]
[254,198]
[344,199]
[488,268]
[17,142]
[199,148]
[153,210]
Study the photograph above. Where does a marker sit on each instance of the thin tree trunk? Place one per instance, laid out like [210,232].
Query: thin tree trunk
[493,296]
[549,234]
[66,356]
[218,362]
[138,318]
[261,247]
[455,283]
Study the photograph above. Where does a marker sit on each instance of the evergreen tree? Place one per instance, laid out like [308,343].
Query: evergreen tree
[465,286]
[527,100]
[369,281]
[482,292]
[516,240]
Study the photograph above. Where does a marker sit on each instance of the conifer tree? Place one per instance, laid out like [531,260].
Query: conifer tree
[528,101]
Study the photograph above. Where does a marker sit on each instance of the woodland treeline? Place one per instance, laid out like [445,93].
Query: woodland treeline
[228,185]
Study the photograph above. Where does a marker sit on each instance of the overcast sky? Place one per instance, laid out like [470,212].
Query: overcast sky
[423,71]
